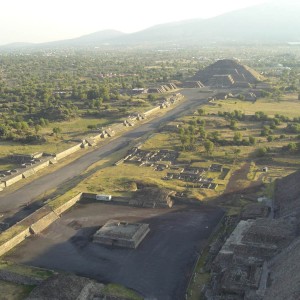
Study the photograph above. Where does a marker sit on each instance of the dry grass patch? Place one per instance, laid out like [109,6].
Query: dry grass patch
[25,270]
[163,140]
[13,291]
[288,106]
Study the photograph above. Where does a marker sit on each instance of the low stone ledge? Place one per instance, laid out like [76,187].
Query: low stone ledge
[18,278]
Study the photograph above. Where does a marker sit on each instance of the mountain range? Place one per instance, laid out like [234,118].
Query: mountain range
[277,22]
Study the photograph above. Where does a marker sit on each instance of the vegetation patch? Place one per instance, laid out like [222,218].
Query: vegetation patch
[13,291]
[10,233]
[116,290]
[25,270]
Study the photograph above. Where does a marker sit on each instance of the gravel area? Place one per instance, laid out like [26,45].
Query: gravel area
[159,268]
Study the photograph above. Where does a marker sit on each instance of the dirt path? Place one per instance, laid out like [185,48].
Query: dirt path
[239,179]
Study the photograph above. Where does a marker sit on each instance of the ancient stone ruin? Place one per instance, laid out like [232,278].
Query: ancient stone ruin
[242,267]
[67,287]
[121,234]
[227,73]
[152,197]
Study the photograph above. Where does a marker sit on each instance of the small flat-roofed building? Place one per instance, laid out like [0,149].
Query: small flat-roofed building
[121,234]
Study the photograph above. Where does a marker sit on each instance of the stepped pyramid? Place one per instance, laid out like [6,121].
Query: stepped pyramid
[228,73]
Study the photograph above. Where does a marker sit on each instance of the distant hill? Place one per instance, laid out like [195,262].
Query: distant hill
[259,24]
[17,46]
[277,22]
[90,40]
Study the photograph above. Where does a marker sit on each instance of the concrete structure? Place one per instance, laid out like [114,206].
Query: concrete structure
[41,166]
[69,151]
[2,186]
[12,179]
[121,234]
[151,111]
[15,175]
[17,238]
[61,209]
[33,224]
[43,223]
[28,173]
[90,142]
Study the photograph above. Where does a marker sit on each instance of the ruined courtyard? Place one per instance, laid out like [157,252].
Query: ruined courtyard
[161,265]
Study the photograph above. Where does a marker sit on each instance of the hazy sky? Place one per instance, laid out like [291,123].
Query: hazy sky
[48,20]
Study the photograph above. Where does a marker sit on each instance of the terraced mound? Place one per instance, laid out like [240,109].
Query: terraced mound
[67,287]
[287,194]
[228,73]
[284,275]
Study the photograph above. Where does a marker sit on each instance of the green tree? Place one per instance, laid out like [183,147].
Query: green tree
[183,140]
[252,140]
[292,147]
[37,128]
[209,147]
[3,130]
[233,124]
[202,132]
[201,112]
[236,152]
[56,131]
[237,137]
[262,151]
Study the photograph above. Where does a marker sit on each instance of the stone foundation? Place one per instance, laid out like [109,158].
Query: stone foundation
[121,234]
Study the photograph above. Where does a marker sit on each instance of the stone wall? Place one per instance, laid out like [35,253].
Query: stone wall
[151,111]
[41,166]
[13,180]
[43,223]
[18,278]
[34,223]
[89,195]
[14,241]
[96,137]
[117,127]
[68,204]
[69,151]
[25,174]
[28,173]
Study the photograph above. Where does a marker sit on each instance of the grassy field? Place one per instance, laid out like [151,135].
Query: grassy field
[25,270]
[116,290]
[13,291]
[289,105]
[121,180]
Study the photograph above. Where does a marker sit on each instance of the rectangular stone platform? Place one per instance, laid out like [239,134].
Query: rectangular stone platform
[121,234]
